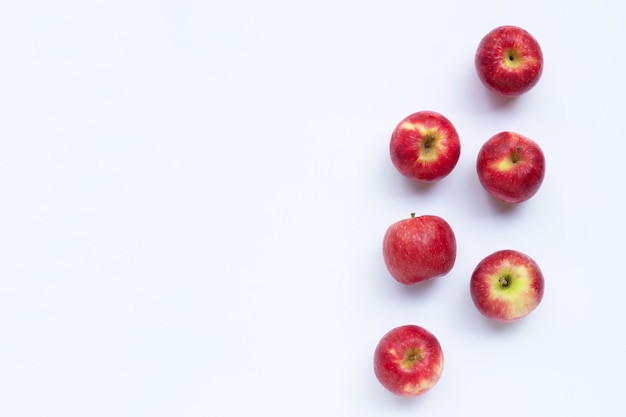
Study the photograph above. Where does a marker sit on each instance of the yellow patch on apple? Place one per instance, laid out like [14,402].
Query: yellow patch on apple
[505,164]
[431,144]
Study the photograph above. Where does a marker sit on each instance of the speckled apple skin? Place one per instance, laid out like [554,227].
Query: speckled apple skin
[522,294]
[408,378]
[423,163]
[508,181]
[504,72]
[419,248]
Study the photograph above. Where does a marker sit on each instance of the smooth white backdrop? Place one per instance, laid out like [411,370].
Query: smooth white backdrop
[193,196]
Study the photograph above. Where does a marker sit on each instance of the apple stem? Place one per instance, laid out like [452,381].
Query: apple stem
[504,281]
[412,215]
[516,154]
[429,141]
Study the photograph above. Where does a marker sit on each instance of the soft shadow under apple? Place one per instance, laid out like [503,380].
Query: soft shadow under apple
[501,207]
[420,289]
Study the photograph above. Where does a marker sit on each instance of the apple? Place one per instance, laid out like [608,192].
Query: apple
[509,61]
[408,360]
[419,248]
[511,167]
[425,146]
[506,285]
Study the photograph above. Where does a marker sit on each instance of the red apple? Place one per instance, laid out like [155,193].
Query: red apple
[509,61]
[511,167]
[408,360]
[419,248]
[506,285]
[425,146]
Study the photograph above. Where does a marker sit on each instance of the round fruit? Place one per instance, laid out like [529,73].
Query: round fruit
[509,61]
[506,285]
[419,248]
[408,360]
[511,167]
[425,146]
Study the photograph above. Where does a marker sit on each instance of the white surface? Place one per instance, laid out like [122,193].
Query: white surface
[194,196]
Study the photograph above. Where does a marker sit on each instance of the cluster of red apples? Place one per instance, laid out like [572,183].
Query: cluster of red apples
[506,285]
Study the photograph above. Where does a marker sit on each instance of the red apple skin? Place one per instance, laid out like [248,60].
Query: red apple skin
[509,61]
[506,285]
[511,167]
[419,248]
[408,361]
[425,146]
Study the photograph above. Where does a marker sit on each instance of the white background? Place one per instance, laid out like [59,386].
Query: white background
[193,196]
